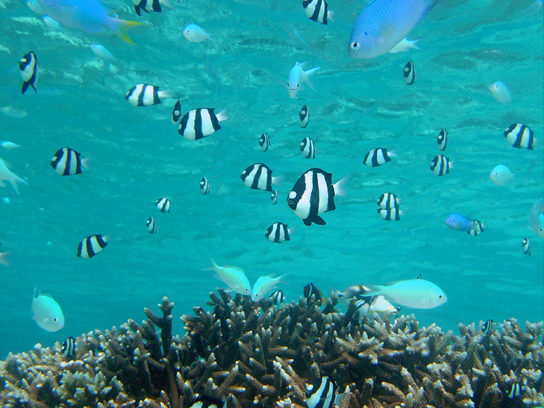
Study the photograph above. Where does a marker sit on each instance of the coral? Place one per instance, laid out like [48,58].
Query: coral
[257,354]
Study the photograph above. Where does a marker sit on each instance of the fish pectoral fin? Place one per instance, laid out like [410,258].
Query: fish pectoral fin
[386,30]
[25,87]
[316,219]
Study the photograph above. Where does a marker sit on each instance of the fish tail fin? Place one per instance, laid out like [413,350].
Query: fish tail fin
[222,116]
[330,15]
[167,3]
[16,179]
[85,163]
[213,267]
[125,25]
[306,76]
[340,186]
[167,93]
[450,164]
[392,153]
[3,258]
[414,44]
[276,180]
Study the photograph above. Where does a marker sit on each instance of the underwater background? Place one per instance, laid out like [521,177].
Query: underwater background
[136,156]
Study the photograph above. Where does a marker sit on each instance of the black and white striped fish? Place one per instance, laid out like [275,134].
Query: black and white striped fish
[163,204]
[278,232]
[313,194]
[442,139]
[317,10]
[145,95]
[377,157]
[153,5]
[477,228]
[204,401]
[322,393]
[274,196]
[409,73]
[487,326]
[377,304]
[264,142]
[526,246]
[308,148]
[176,112]
[68,348]
[152,225]
[258,176]
[68,162]
[516,389]
[520,136]
[30,71]
[277,297]
[388,201]
[201,122]
[304,116]
[390,214]
[92,245]
[312,294]
[441,165]
[204,186]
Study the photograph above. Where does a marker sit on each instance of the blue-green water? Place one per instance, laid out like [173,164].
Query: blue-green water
[136,156]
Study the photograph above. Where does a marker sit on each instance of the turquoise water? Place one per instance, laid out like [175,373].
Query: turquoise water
[136,156]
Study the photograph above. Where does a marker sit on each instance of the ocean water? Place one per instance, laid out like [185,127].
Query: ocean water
[137,156]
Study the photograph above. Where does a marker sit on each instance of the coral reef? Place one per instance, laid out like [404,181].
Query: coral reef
[257,354]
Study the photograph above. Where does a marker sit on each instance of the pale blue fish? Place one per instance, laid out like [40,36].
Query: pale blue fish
[459,222]
[194,33]
[501,175]
[500,92]
[52,24]
[46,312]
[414,293]
[262,286]
[383,24]
[8,175]
[536,219]
[90,16]
[297,76]
[234,277]
[102,52]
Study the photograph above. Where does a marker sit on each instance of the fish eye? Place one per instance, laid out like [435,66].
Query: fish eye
[297,85]
[440,296]
[355,45]
[55,319]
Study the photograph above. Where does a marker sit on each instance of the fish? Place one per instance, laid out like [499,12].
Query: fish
[304,116]
[520,136]
[459,222]
[516,389]
[388,201]
[277,297]
[383,24]
[3,258]
[307,148]
[278,232]
[52,24]
[501,175]
[102,52]
[258,176]
[526,246]
[442,139]
[146,5]
[204,401]
[297,77]
[8,175]
[317,10]
[68,162]
[146,95]
[68,348]
[163,204]
[376,304]
[274,196]
[536,218]
[312,294]
[46,312]
[313,194]
[409,73]
[30,71]
[355,291]
[234,277]
[194,33]
[176,112]
[152,225]
[404,45]
[377,157]
[201,122]
[263,285]
[92,245]
[500,92]
[6,144]
[204,186]
[487,326]
[441,165]
[390,214]
[477,228]
[322,393]
[264,142]
[90,16]
[414,293]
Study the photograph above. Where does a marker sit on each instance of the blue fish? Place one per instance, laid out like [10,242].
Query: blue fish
[90,16]
[459,222]
[383,24]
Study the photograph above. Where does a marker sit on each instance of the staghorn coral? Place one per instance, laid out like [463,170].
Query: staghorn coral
[257,354]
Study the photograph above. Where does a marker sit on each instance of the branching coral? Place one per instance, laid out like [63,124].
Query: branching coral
[257,354]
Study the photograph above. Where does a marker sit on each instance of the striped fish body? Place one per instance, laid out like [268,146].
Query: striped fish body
[520,136]
[409,73]
[176,112]
[274,196]
[277,297]
[317,10]
[388,201]
[258,176]
[377,157]
[487,326]
[312,293]
[307,148]
[140,5]
[204,186]
[30,72]
[163,204]
[477,228]
[264,142]
[199,123]
[68,348]
[143,95]
[442,140]
[277,233]
[67,162]
[526,246]
[151,225]
[390,214]
[322,393]
[91,246]
[440,165]
[304,116]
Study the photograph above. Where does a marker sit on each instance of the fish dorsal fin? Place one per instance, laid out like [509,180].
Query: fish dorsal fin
[236,268]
